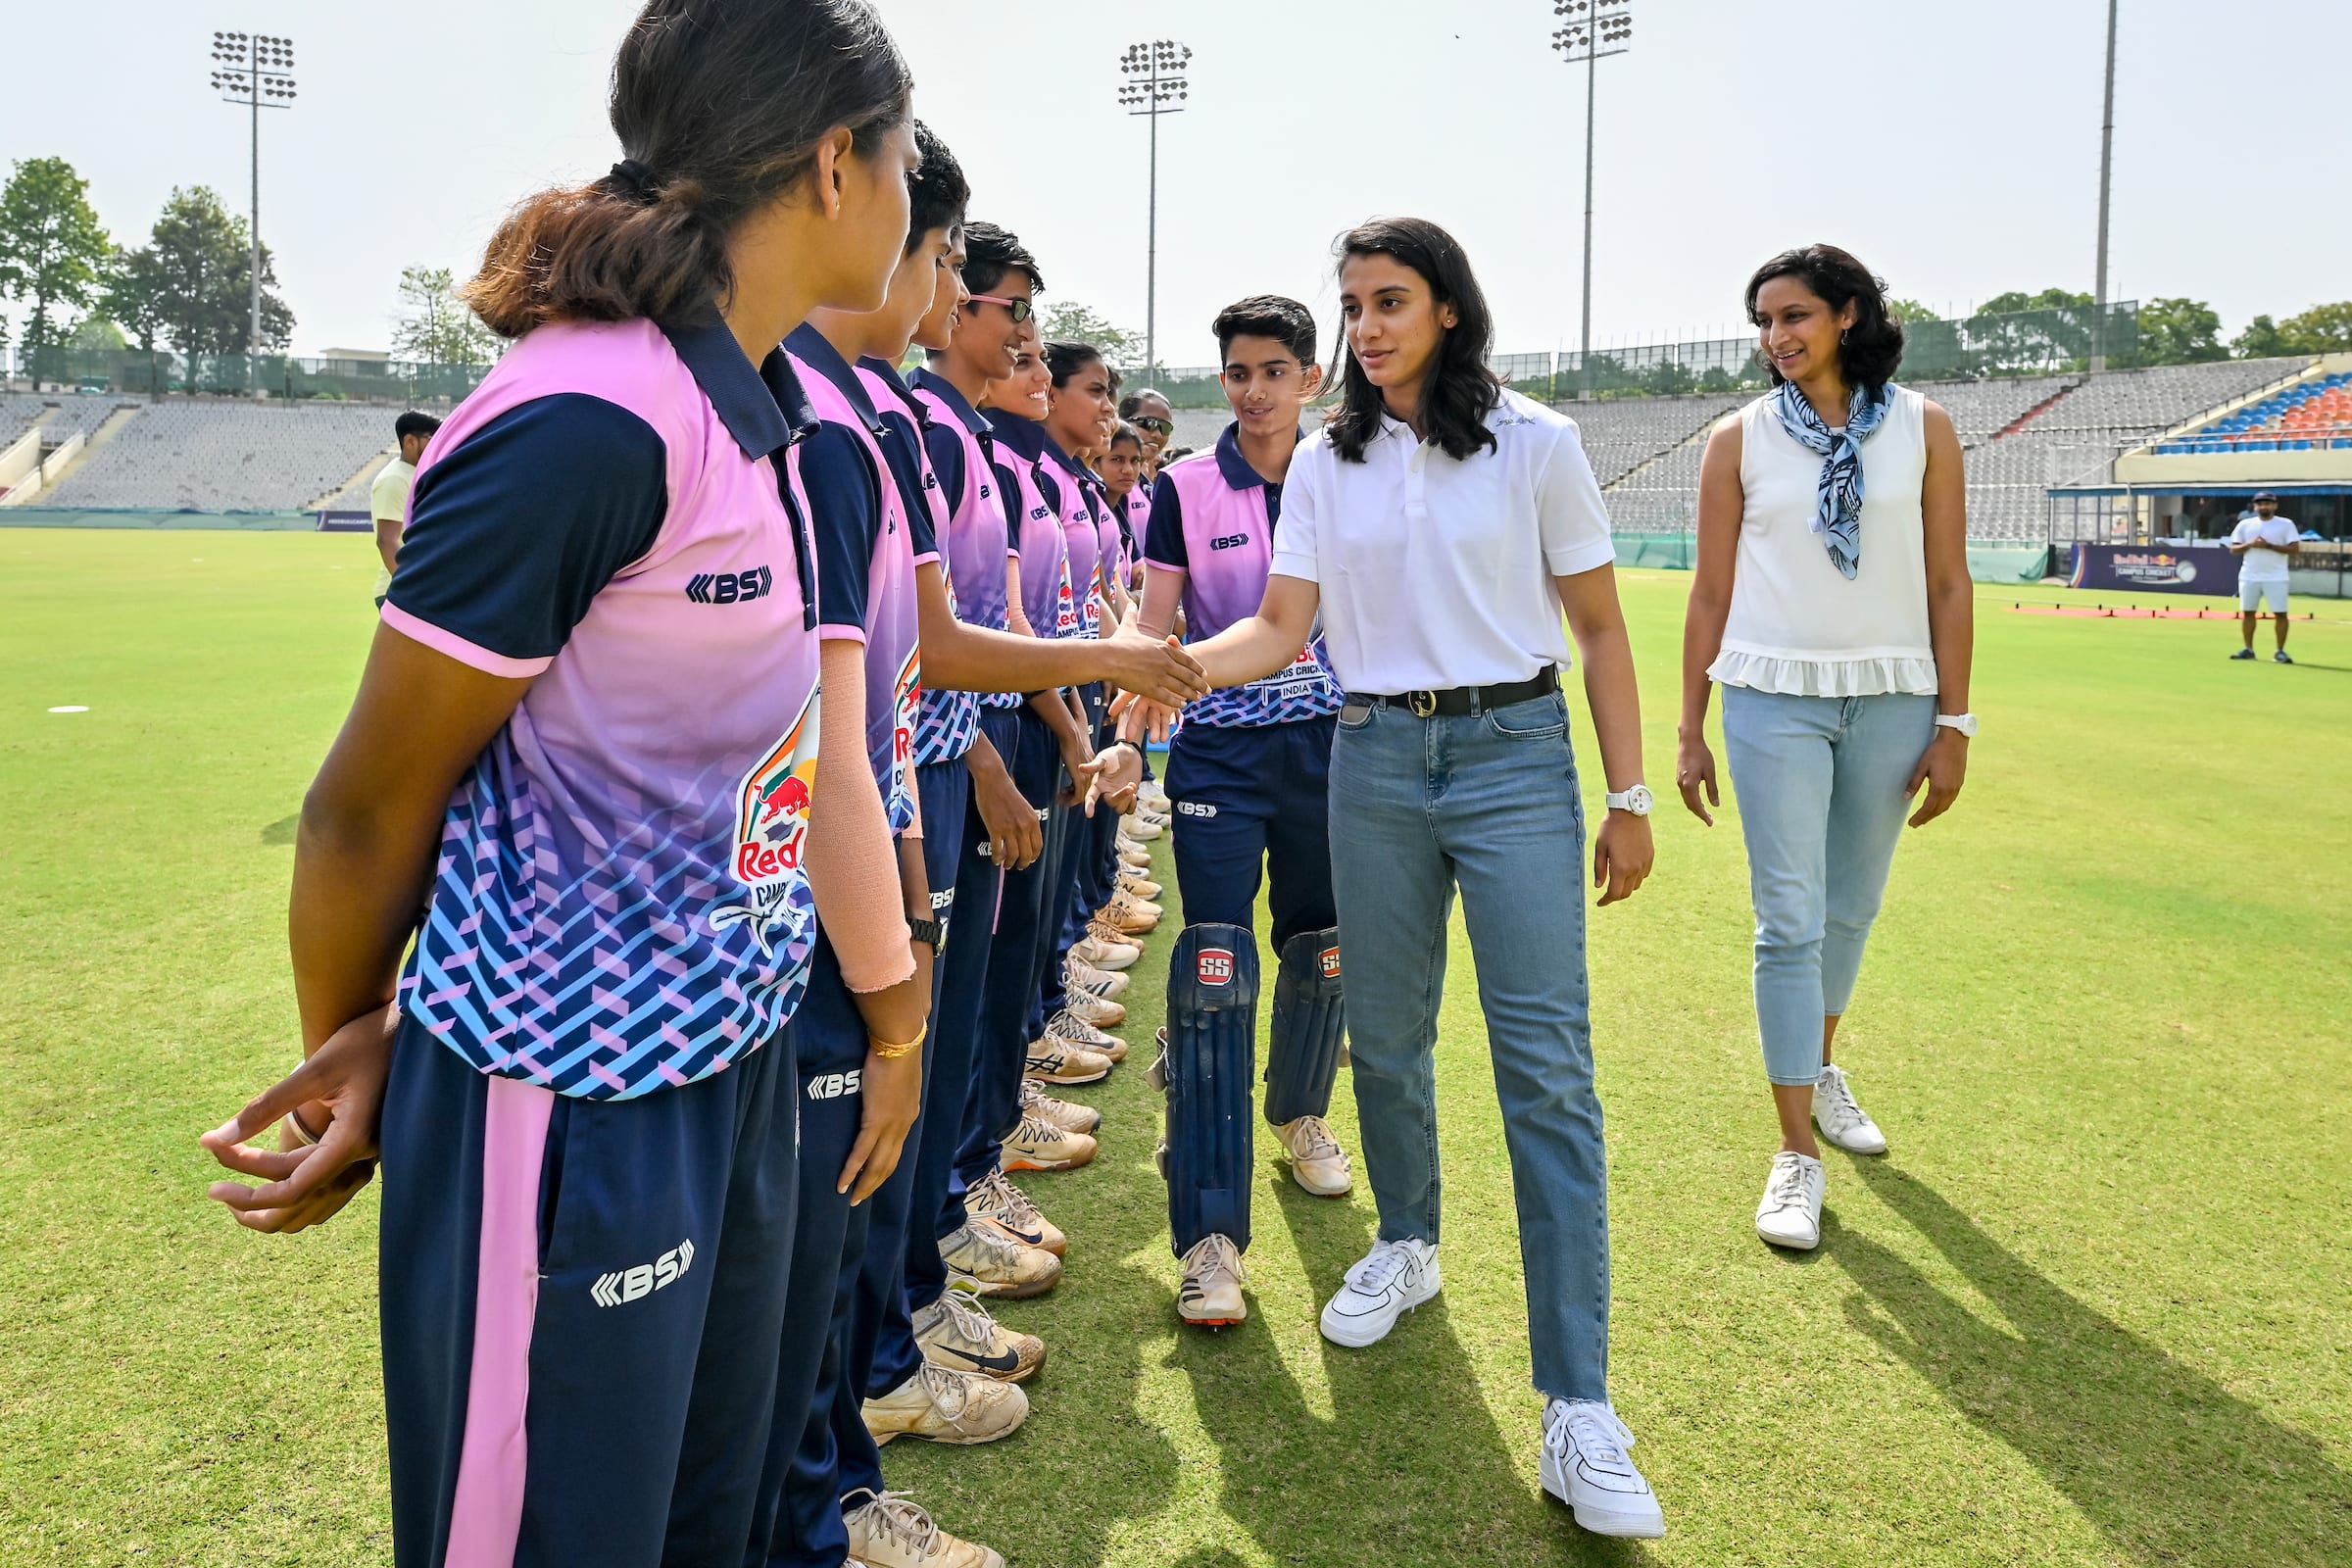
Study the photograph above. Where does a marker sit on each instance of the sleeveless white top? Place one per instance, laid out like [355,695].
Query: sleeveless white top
[1798,627]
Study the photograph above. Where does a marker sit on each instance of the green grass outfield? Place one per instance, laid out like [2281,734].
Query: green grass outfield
[2095,1306]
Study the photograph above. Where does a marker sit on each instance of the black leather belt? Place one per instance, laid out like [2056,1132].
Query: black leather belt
[1460,700]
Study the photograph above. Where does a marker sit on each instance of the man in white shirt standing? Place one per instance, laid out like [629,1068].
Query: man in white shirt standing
[388,496]
[2265,546]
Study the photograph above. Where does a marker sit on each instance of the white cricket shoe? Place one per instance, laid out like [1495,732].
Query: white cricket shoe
[1067,1027]
[1211,1294]
[1585,1466]
[1104,950]
[1141,829]
[1314,1155]
[1079,976]
[890,1531]
[1841,1120]
[1101,1012]
[1131,854]
[1392,1278]
[1790,1214]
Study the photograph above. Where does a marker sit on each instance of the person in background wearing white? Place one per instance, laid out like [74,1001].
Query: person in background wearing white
[388,494]
[1443,526]
[1839,618]
[2265,546]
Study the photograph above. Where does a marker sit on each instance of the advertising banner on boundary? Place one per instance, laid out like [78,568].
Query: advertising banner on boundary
[2155,568]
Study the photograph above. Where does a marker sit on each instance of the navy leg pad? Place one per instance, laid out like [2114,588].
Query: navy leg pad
[1310,1020]
[1208,1072]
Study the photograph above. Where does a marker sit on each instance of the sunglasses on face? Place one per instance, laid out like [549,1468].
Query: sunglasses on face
[1018,309]
[1153,424]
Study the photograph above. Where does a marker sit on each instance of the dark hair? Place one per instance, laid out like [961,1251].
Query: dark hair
[1066,357]
[1286,322]
[937,193]
[719,105]
[414,423]
[1174,453]
[989,253]
[1123,431]
[1461,391]
[1132,403]
[1869,351]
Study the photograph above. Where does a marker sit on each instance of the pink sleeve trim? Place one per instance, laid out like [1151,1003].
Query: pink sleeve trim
[927,558]
[471,654]
[840,634]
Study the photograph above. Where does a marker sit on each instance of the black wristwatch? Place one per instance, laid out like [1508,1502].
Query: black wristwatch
[932,932]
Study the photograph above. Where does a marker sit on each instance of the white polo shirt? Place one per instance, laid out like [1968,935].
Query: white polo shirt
[1436,573]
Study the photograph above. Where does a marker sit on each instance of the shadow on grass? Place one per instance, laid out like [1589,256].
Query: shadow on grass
[2167,1463]
[1410,1457]
[283,830]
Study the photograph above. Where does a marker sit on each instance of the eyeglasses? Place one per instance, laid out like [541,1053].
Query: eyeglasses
[1018,309]
[1153,424]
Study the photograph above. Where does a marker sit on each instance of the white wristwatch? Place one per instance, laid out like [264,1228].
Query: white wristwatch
[1965,723]
[1636,799]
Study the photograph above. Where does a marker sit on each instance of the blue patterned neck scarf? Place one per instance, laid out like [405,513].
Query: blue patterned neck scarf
[1838,503]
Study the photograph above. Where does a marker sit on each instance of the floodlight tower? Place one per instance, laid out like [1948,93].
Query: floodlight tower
[1595,29]
[1155,85]
[256,72]
[2098,340]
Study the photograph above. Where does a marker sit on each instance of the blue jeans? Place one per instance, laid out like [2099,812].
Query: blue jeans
[1820,788]
[1487,802]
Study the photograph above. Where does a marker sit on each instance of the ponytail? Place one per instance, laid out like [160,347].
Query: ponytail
[720,106]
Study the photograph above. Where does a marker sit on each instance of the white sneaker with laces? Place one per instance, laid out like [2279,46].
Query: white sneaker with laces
[890,1531]
[1103,950]
[1079,976]
[1098,1011]
[1790,1214]
[1211,1294]
[1316,1161]
[1068,1027]
[1585,1466]
[1841,1120]
[1137,828]
[1392,1278]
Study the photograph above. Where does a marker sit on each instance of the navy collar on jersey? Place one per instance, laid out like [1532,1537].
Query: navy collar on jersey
[1022,434]
[888,375]
[764,409]
[815,352]
[1236,469]
[959,405]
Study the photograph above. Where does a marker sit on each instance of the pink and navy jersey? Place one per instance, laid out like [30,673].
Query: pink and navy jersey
[1082,537]
[1214,518]
[1042,545]
[865,558]
[945,723]
[960,442]
[1123,524]
[615,513]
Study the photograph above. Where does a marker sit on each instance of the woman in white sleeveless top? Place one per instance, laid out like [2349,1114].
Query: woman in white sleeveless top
[1832,605]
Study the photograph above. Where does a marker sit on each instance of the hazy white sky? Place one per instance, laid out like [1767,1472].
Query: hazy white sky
[1954,147]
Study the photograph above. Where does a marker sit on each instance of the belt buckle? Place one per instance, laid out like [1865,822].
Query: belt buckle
[1423,704]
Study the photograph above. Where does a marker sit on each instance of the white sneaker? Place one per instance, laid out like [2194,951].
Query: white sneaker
[1393,1278]
[1314,1155]
[1841,1120]
[1211,1294]
[1079,975]
[1131,854]
[1137,828]
[890,1530]
[1790,1214]
[1103,950]
[1069,1027]
[1154,793]
[1100,1012]
[1585,1466]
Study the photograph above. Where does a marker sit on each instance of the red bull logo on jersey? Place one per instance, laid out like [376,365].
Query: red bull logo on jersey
[1331,963]
[1214,966]
[903,692]
[1065,606]
[773,803]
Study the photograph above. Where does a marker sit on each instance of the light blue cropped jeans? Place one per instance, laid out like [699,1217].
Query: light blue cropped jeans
[1820,787]
[1487,802]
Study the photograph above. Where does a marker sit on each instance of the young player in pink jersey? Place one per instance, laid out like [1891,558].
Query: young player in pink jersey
[586,745]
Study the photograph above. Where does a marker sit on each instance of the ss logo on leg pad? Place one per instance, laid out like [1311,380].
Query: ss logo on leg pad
[1215,967]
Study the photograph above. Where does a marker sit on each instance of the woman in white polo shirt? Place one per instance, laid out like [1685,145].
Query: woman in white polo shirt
[1833,606]
[1441,524]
